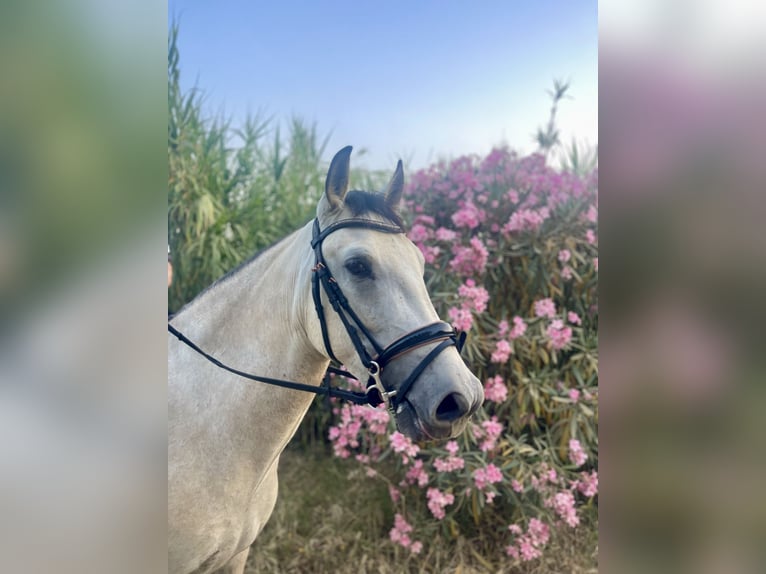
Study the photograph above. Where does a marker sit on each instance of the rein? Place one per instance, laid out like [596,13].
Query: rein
[377,392]
[358,398]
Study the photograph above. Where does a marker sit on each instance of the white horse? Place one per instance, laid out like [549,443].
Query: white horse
[275,317]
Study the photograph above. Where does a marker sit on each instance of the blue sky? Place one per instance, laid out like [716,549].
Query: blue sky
[419,80]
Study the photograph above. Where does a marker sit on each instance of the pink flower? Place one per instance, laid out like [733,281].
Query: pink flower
[491,430]
[461,319]
[538,532]
[426,220]
[345,435]
[529,545]
[592,214]
[483,477]
[517,486]
[416,547]
[468,216]
[519,328]
[452,447]
[526,220]
[495,389]
[469,260]
[394,494]
[564,255]
[416,474]
[528,551]
[545,308]
[449,464]
[576,453]
[444,234]
[502,353]
[559,335]
[564,505]
[399,533]
[589,484]
[475,298]
[567,273]
[430,252]
[502,328]
[574,318]
[419,233]
[437,500]
[590,236]
[574,395]
[402,444]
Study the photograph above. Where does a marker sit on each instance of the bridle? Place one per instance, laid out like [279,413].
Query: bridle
[377,392]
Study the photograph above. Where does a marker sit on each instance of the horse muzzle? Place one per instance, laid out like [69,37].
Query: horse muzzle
[447,419]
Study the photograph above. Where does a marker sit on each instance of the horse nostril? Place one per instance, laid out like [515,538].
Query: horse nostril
[453,407]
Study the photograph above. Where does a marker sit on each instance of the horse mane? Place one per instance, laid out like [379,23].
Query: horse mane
[360,202]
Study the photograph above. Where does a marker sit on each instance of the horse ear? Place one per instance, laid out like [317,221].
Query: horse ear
[336,185]
[395,186]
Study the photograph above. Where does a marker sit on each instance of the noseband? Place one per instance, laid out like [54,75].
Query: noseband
[377,391]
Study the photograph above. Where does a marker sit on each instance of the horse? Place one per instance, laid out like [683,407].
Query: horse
[330,291]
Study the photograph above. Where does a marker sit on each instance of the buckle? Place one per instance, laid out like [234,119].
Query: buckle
[375,384]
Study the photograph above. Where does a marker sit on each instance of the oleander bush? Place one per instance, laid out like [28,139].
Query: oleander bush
[511,251]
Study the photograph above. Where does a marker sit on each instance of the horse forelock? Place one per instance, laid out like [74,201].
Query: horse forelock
[361,202]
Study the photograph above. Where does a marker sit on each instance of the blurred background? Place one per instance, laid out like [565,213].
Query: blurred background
[682,200]
[83,195]
[84,192]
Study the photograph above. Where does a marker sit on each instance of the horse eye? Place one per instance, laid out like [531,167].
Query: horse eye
[359,268]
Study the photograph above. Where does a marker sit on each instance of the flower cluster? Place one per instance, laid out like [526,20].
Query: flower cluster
[495,389]
[404,445]
[488,433]
[345,434]
[564,504]
[559,334]
[437,500]
[528,545]
[576,453]
[468,259]
[399,534]
[483,477]
[504,347]
[511,250]
[450,462]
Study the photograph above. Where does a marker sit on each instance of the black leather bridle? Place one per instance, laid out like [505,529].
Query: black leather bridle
[377,392]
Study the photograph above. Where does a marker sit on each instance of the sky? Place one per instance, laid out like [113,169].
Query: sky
[420,80]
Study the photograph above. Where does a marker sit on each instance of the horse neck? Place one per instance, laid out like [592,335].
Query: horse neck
[254,320]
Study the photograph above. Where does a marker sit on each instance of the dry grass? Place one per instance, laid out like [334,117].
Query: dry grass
[328,523]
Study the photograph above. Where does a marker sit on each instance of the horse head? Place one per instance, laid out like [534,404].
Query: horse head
[387,331]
